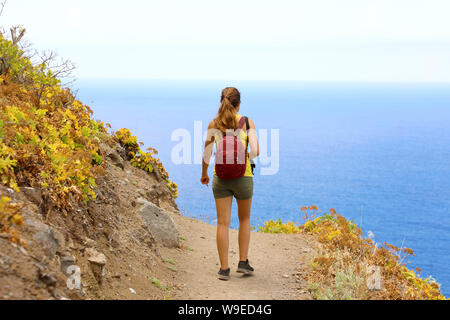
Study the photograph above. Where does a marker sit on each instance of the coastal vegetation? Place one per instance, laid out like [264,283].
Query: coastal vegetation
[48,138]
[10,216]
[144,160]
[348,266]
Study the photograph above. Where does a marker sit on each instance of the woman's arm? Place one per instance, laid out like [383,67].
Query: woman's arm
[253,140]
[207,153]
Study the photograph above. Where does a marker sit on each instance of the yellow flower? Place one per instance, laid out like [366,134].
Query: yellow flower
[17,219]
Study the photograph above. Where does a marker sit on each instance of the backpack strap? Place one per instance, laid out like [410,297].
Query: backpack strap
[252,164]
[243,121]
[247,124]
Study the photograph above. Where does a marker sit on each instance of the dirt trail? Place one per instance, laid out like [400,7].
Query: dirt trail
[278,260]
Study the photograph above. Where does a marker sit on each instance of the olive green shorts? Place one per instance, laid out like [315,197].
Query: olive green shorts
[241,188]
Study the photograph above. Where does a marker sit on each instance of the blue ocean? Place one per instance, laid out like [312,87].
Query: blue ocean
[377,153]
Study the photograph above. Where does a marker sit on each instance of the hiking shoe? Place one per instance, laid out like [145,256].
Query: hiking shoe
[244,267]
[224,274]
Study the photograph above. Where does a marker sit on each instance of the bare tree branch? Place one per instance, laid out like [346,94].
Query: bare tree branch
[60,68]
[2,4]
[17,33]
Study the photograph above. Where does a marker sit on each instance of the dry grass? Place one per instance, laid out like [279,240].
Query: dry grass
[348,266]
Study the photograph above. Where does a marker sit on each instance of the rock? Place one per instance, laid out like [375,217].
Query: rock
[114,240]
[58,295]
[303,292]
[119,165]
[159,223]
[116,159]
[49,278]
[157,173]
[45,236]
[132,291]
[22,249]
[122,152]
[5,236]
[115,154]
[97,262]
[66,262]
[33,194]
[96,257]
[71,244]
[89,242]
[153,197]
[59,237]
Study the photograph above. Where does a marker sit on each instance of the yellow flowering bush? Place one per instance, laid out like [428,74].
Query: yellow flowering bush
[10,216]
[278,226]
[339,269]
[144,160]
[344,250]
[47,137]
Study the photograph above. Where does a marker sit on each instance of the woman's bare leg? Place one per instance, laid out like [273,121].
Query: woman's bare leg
[223,207]
[244,208]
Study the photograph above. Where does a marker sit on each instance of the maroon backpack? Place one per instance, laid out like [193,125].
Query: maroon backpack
[231,154]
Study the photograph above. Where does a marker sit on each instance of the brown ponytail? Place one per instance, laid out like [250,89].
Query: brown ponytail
[226,116]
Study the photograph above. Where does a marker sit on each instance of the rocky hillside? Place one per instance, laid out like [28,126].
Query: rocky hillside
[83,211]
[115,239]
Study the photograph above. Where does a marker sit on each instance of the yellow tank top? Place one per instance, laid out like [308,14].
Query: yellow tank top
[243,137]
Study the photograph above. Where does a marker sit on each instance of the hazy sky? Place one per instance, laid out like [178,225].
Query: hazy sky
[314,40]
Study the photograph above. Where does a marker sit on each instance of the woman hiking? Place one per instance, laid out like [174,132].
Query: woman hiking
[233,175]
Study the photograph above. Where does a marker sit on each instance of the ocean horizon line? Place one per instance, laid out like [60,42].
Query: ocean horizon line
[334,82]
